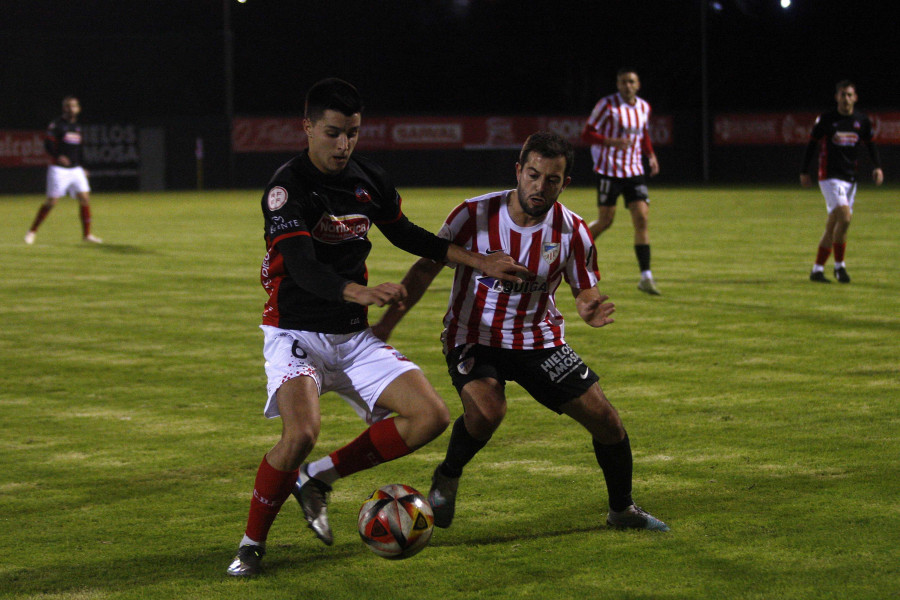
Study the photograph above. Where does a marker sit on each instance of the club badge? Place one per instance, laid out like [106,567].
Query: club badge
[277,197]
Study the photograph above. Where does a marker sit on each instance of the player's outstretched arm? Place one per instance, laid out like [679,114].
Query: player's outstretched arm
[379,295]
[497,264]
[416,281]
[593,307]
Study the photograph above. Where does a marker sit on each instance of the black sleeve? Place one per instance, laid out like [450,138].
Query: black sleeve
[51,144]
[873,154]
[307,271]
[817,133]
[870,145]
[808,155]
[408,236]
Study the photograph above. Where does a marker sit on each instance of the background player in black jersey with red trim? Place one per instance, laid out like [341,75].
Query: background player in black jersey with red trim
[65,175]
[836,136]
[318,209]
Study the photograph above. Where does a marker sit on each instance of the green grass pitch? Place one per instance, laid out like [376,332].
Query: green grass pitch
[763,411]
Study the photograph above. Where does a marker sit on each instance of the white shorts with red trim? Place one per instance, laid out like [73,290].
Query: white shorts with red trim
[357,366]
[66,180]
[838,192]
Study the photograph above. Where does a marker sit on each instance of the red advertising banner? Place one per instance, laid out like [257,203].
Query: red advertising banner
[23,149]
[789,129]
[255,134]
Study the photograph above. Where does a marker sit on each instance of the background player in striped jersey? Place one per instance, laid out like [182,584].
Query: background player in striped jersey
[498,331]
[619,136]
[837,135]
[318,209]
[65,175]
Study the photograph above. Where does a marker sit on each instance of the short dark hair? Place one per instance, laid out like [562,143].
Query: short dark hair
[332,94]
[844,83]
[548,145]
[624,70]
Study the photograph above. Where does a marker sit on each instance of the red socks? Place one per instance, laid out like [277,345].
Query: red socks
[85,220]
[271,489]
[379,443]
[43,211]
[823,255]
[839,252]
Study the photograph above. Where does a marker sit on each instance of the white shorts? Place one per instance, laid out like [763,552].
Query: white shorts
[357,366]
[838,192]
[66,180]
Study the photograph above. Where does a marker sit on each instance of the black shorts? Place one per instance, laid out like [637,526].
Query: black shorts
[631,188]
[552,376]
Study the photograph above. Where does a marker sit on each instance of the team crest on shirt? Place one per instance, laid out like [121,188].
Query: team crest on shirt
[550,251]
[362,194]
[277,197]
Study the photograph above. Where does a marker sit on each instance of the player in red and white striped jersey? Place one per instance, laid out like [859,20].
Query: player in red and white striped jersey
[498,331]
[515,315]
[618,131]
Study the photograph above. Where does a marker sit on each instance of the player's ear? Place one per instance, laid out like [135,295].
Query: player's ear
[307,127]
[566,183]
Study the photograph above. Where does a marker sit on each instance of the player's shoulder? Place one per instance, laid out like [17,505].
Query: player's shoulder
[289,173]
[569,219]
[365,166]
[861,117]
[487,197]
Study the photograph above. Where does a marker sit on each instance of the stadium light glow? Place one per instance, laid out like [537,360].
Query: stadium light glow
[785,3]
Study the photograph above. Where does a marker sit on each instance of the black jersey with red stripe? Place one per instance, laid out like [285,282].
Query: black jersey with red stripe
[63,138]
[316,233]
[837,137]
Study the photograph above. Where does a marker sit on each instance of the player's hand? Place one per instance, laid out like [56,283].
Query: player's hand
[379,295]
[805,180]
[654,165]
[63,160]
[595,311]
[620,143]
[878,176]
[502,266]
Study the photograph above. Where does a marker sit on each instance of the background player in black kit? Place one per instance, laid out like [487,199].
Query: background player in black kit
[318,208]
[837,135]
[65,175]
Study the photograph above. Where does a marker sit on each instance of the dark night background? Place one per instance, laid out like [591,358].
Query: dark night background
[131,59]
[163,64]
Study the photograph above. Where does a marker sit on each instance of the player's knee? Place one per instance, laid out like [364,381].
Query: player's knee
[482,423]
[300,439]
[438,419]
[432,419]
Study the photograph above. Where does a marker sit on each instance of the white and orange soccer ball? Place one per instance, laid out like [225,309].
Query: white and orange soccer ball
[395,521]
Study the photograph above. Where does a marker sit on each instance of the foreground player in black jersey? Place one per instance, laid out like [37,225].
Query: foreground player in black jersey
[318,209]
[65,175]
[837,135]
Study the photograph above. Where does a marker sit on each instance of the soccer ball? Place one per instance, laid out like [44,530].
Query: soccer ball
[395,521]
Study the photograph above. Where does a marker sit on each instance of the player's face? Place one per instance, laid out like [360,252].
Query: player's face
[332,139]
[71,108]
[846,100]
[541,181]
[628,85]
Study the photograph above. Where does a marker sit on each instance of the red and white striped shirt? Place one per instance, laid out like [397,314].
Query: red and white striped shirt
[519,316]
[612,117]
